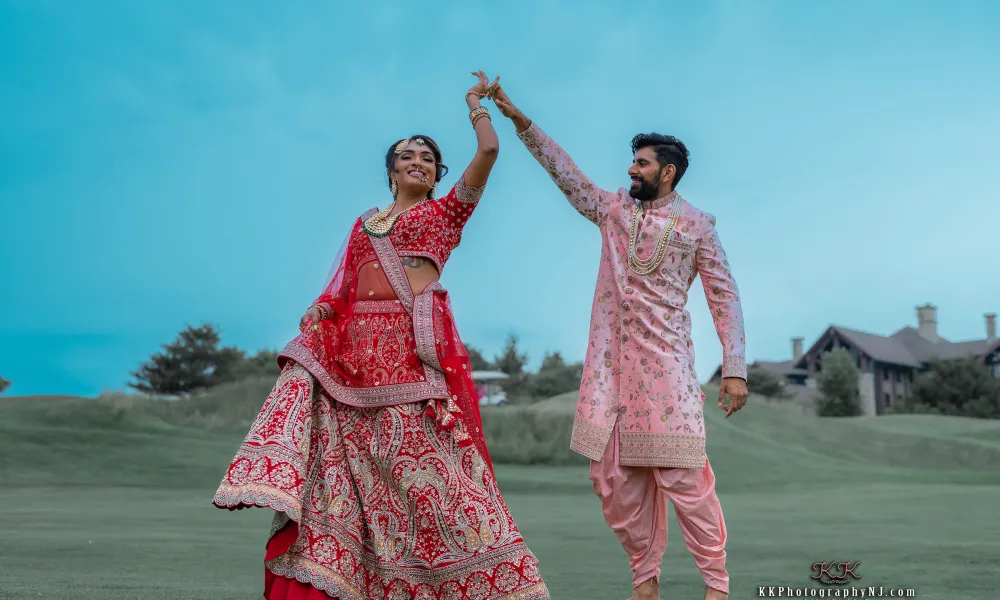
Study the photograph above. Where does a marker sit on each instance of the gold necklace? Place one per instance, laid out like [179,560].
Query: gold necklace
[646,266]
[380,224]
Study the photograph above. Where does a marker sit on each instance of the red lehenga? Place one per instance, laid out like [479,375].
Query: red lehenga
[370,447]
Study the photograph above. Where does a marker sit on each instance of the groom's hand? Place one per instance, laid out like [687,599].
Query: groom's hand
[736,389]
[507,109]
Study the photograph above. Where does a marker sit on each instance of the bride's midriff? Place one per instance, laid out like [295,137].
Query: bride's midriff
[373,284]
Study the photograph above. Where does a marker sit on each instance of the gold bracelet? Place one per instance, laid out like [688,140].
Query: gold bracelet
[478,117]
[475,112]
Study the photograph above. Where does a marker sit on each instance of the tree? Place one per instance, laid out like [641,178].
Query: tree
[552,362]
[194,361]
[961,387]
[511,361]
[4,384]
[553,379]
[262,364]
[764,382]
[838,384]
[476,358]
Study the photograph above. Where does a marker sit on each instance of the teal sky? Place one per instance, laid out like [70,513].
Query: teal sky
[166,164]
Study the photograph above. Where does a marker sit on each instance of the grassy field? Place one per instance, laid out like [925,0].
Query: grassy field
[111,499]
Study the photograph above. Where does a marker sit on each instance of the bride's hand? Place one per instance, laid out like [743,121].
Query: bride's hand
[312,317]
[483,86]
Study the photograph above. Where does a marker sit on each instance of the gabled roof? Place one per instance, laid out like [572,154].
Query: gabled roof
[926,350]
[783,368]
[907,347]
[920,347]
[878,347]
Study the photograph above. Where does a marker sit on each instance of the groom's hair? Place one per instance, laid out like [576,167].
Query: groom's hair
[669,151]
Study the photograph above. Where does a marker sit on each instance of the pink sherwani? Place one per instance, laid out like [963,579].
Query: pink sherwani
[639,374]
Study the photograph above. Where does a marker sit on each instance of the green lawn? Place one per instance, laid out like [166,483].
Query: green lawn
[104,505]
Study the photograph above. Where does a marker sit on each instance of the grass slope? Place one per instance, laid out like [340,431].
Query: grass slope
[110,499]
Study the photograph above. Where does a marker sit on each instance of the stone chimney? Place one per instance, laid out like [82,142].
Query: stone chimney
[991,328]
[927,322]
[796,348]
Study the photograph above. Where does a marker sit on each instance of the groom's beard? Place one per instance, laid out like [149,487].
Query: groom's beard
[645,190]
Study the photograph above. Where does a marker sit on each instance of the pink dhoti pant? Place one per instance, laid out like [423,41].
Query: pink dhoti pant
[634,501]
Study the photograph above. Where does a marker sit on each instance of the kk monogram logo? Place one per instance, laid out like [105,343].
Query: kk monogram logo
[835,573]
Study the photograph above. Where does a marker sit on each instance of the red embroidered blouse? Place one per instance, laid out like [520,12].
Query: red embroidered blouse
[431,229]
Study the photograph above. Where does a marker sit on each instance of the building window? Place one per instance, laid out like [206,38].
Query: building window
[888,399]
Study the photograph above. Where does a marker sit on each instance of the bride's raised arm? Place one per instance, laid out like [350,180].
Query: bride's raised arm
[478,171]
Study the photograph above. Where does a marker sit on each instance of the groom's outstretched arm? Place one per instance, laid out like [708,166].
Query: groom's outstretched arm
[589,200]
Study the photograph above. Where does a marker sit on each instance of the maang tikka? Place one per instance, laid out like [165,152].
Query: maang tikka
[403,145]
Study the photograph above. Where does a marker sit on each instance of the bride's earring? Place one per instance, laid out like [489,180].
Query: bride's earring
[392,188]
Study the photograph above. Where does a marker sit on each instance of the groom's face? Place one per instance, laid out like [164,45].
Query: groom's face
[646,175]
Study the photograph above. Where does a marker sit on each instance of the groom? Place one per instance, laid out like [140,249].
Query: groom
[640,413]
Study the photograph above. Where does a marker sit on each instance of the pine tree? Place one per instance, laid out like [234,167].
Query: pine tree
[194,361]
[511,361]
[552,362]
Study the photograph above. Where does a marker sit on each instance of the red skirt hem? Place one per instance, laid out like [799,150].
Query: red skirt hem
[343,536]
[278,587]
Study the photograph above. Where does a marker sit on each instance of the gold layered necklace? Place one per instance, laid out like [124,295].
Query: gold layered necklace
[380,224]
[645,266]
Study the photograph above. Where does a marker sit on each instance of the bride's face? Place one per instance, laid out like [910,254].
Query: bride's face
[415,168]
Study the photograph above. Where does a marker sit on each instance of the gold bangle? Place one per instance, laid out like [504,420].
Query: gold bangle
[479,117]
[479,110]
